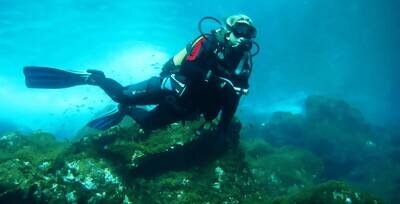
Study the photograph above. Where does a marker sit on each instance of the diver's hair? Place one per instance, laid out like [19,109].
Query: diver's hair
[231,20]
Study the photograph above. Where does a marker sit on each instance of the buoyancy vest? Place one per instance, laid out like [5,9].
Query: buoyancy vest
[210,53]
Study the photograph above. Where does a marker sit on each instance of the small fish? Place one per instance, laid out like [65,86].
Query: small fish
[85,98]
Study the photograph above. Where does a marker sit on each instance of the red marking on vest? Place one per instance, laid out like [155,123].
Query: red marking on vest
[196,50]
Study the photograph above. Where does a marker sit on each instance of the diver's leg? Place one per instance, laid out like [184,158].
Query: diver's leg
[143,93]
[160,116]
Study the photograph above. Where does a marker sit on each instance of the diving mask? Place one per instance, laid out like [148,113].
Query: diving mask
[241,30]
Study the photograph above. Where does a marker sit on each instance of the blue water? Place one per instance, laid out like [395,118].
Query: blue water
[345,49]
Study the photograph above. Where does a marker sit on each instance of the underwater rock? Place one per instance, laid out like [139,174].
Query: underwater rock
[25,164]
[393,144]
[338,133]
[90,180]
[380,176]
[85,180]
[283,170]
[224,180]
[285,128]
[171,165]
[107,166]
[330,192]
[175,147]
[329,128]
[321,109]
[35,148]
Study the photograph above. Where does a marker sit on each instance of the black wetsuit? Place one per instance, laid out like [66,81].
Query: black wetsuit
[205,93]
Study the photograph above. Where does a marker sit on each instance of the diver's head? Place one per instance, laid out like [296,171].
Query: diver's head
[240,29]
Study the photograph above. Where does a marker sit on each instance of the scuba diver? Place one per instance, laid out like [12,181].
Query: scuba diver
[208,76]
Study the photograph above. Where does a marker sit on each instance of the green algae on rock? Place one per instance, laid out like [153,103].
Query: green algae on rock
[132,152]
[171,165]
[109,166]
[332,192]
[25,163]
[330,128]
[280,171]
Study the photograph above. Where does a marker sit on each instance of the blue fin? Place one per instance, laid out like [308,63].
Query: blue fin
[107,120]
[52,78]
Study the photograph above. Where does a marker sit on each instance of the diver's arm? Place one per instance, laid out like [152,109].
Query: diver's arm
[243,77]
[232,97]
[229,107]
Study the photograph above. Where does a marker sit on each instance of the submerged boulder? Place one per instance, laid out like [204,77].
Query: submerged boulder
[174,147]
[283,170]
[331,192]
[322,109]
[285,128]
[330,128]
[171,165]
[111,166]
[226,179]
[25,163]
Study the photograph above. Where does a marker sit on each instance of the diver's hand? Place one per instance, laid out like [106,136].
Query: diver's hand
[206,128]
[95,77]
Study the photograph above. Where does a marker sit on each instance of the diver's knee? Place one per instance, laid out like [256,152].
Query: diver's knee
[120,97]
[154,84]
